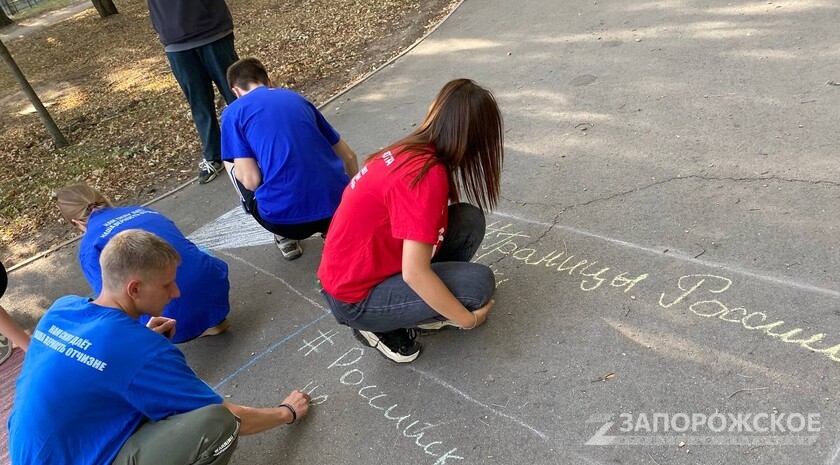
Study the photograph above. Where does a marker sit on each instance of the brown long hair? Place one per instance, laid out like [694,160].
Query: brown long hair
[76,202]
[464,127]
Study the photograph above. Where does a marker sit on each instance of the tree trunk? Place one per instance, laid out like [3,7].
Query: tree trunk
[57,136]
[105,7]
[4,19]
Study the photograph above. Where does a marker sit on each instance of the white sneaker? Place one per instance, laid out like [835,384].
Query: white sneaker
[289,248]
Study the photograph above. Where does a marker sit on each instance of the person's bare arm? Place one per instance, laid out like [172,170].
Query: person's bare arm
[247,172]
[417,273]
[256,419]
[10,329]
[348,156]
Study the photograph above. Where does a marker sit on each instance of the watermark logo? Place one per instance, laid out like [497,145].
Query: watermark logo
[716,429]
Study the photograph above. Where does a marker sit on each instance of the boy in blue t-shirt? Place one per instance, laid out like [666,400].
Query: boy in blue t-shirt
[287,162]
[97,386]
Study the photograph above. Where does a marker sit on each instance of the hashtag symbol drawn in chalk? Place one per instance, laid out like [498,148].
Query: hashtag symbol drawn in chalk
[318,341]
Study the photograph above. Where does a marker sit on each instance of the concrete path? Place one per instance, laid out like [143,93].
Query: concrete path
[666,251]
[28,26]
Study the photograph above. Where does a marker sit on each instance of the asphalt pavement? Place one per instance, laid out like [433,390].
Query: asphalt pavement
[666,251]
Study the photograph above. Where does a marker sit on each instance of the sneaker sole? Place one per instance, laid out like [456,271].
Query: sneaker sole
[209,178]
[216,330]
[369,339]
[434,326]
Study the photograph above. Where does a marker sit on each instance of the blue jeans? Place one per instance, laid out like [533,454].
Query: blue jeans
[391,304]
[196,70]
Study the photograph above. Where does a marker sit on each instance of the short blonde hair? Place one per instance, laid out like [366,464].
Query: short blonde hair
[134,253]
[76,202]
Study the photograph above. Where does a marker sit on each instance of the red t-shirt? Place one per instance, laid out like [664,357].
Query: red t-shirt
[379,209]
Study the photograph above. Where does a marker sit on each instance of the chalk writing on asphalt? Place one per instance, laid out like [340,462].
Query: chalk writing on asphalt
[408,424]
[707,285]
[702,294]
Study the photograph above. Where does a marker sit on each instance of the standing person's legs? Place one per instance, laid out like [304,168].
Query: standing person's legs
[197,86]
[207,436]
[217,57]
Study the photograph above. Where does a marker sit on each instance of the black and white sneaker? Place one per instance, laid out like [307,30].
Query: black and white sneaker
[208,170]
[399,346]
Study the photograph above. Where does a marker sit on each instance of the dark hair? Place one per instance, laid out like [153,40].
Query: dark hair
[464,127]
[4,279]
[245,72]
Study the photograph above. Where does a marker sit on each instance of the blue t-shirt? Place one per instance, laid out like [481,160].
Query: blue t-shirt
[201,277]
[91,377]
[291,141]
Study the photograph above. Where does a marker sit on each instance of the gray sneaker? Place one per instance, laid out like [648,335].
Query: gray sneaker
[209,170]
[5,348]
[289,248]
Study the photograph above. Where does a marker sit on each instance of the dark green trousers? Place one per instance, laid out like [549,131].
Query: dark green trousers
[207,436]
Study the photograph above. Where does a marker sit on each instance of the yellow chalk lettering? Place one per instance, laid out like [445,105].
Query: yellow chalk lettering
[766,328]
[788,336]
[595,277]
[621,281]
[720,308]
[744,320]
[735,320]
[502,233]
[682,285]
[528,254]
[571,269]
[498,247]
[830,352]
[548,259]
[808,346]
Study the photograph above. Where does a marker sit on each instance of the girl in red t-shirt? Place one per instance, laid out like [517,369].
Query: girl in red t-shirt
[399,247]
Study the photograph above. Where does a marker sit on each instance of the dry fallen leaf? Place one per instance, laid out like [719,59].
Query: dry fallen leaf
[109,88]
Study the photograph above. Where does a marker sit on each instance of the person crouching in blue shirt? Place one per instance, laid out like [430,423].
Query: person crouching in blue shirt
[204,304]
[286,161]
[99,387]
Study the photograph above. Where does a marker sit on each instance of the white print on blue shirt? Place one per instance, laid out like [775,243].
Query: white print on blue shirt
[113,223]
[67,347]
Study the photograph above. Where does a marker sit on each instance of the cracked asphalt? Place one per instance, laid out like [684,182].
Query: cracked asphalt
[665,251]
